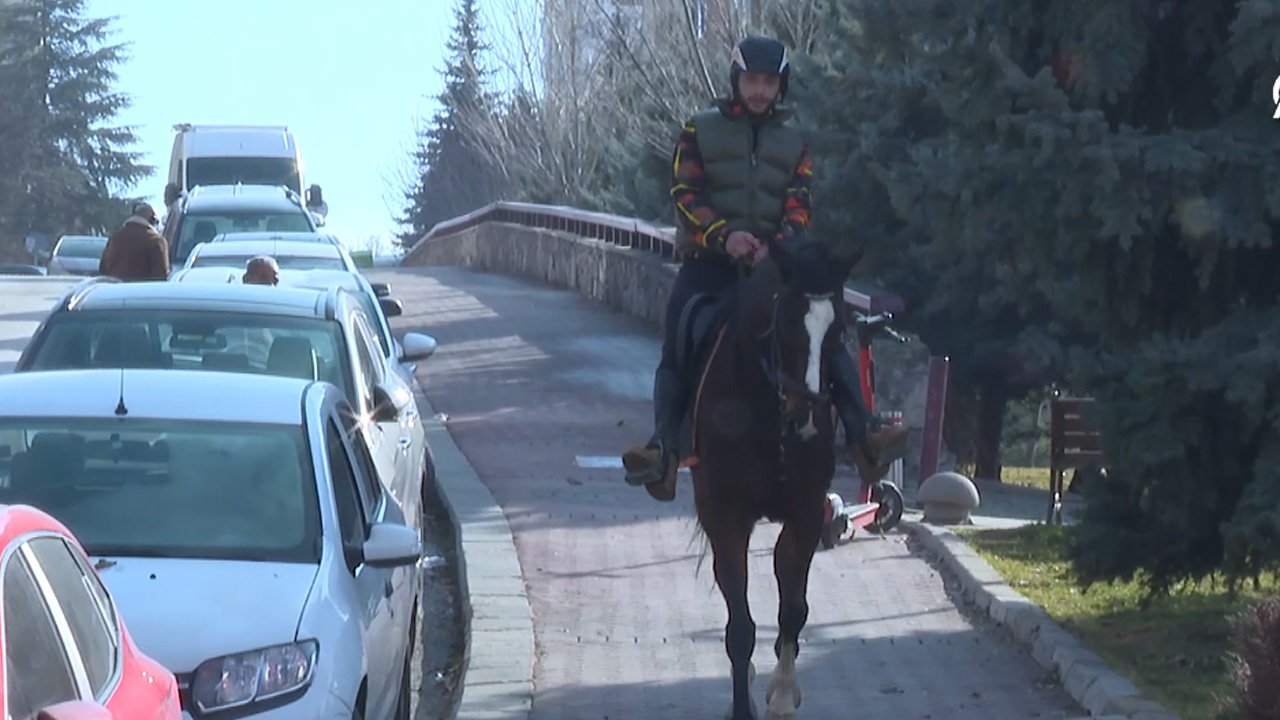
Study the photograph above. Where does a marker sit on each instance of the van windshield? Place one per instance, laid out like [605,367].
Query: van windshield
[245,171]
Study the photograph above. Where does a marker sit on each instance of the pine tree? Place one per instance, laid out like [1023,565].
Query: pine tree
[67,165]
[870,90]
[452,177]
[1092,188]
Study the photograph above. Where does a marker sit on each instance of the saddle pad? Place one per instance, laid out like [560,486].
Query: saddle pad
[692,458]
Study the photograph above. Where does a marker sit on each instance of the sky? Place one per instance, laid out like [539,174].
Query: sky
[351,80]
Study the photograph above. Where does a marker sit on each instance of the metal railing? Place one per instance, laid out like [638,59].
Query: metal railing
[615,230]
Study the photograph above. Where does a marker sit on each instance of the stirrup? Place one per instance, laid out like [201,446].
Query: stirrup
[650,474]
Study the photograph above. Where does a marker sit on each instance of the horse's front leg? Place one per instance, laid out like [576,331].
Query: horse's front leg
[729,545]
[792,557]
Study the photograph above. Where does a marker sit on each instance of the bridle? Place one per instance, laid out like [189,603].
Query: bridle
[782,380]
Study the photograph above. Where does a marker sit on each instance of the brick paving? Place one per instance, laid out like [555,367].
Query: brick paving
[627,623]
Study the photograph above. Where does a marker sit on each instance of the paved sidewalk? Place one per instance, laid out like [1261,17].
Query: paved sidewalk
[535,382]
[26,303]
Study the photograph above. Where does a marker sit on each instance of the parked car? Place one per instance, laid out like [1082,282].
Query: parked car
[76,255]
[376,300]
[379,305]
[314,334]
[210,210]
[68,654]
[239,523]
[288,254]
[21,269]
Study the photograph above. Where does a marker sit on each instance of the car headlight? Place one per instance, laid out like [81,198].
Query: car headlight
[236,680]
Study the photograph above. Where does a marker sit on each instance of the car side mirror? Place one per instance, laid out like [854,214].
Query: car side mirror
[384,408]
[381,289]
[416,346]
[171,193]
[75,710]
[391,307]
[391,545]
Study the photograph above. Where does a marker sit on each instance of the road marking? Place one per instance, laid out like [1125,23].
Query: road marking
[605,462]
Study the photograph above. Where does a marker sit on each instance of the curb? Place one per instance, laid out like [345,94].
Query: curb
[497,673]
[1102,692]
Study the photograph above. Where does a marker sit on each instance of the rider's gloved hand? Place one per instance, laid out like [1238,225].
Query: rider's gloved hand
[741,243]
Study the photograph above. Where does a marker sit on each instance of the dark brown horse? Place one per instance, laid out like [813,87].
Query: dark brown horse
[764,446]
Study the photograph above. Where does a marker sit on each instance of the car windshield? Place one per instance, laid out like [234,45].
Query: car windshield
[291,262]
[81,247]
[201,227]
[124,487]
[310,348]
[243,170]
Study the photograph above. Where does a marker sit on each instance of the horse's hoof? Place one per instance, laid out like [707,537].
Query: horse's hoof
[772,710]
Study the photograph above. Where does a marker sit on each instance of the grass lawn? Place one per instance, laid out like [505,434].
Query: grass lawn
[1173,650]
[1028,476]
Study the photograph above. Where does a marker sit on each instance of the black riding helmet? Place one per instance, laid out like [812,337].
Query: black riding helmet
[761,55]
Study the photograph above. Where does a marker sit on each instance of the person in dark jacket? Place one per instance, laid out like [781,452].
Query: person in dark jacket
[136,251]
[741,174]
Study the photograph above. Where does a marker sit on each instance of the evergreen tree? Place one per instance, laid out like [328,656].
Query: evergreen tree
[871,91]
[452,177]
[1093,185]
[66,165]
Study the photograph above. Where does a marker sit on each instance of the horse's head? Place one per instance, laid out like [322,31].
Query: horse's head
[805,325]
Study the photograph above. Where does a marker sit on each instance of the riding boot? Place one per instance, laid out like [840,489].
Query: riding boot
[656,464]
[870,444]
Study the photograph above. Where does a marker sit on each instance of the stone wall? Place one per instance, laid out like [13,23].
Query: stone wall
[632,281]
[637,283]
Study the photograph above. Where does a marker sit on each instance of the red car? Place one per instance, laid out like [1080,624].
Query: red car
[67,655]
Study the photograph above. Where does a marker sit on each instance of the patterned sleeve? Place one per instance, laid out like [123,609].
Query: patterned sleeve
[693,207]
[795,206]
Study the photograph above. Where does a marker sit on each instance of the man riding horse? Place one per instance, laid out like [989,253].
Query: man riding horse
[741,174]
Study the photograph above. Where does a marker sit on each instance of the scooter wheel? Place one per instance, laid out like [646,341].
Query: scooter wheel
[891,506]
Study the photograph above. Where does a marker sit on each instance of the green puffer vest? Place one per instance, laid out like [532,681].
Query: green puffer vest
[747,170]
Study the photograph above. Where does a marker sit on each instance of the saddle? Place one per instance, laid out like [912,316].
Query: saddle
[698,333]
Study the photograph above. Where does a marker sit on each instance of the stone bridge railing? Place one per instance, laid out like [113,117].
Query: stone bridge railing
[630,265]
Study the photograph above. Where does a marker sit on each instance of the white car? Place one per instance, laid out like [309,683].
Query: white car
[307,333]
[291,254]
[239,524]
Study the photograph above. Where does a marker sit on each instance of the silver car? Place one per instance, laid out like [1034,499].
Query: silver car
[239,524]
[316,334]
[77,255]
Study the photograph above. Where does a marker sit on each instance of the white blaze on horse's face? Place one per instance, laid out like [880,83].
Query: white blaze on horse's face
[816,322]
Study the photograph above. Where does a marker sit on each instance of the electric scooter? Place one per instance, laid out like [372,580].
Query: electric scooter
[879,505]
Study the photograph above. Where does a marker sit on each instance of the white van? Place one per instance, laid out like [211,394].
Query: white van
[234,155]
